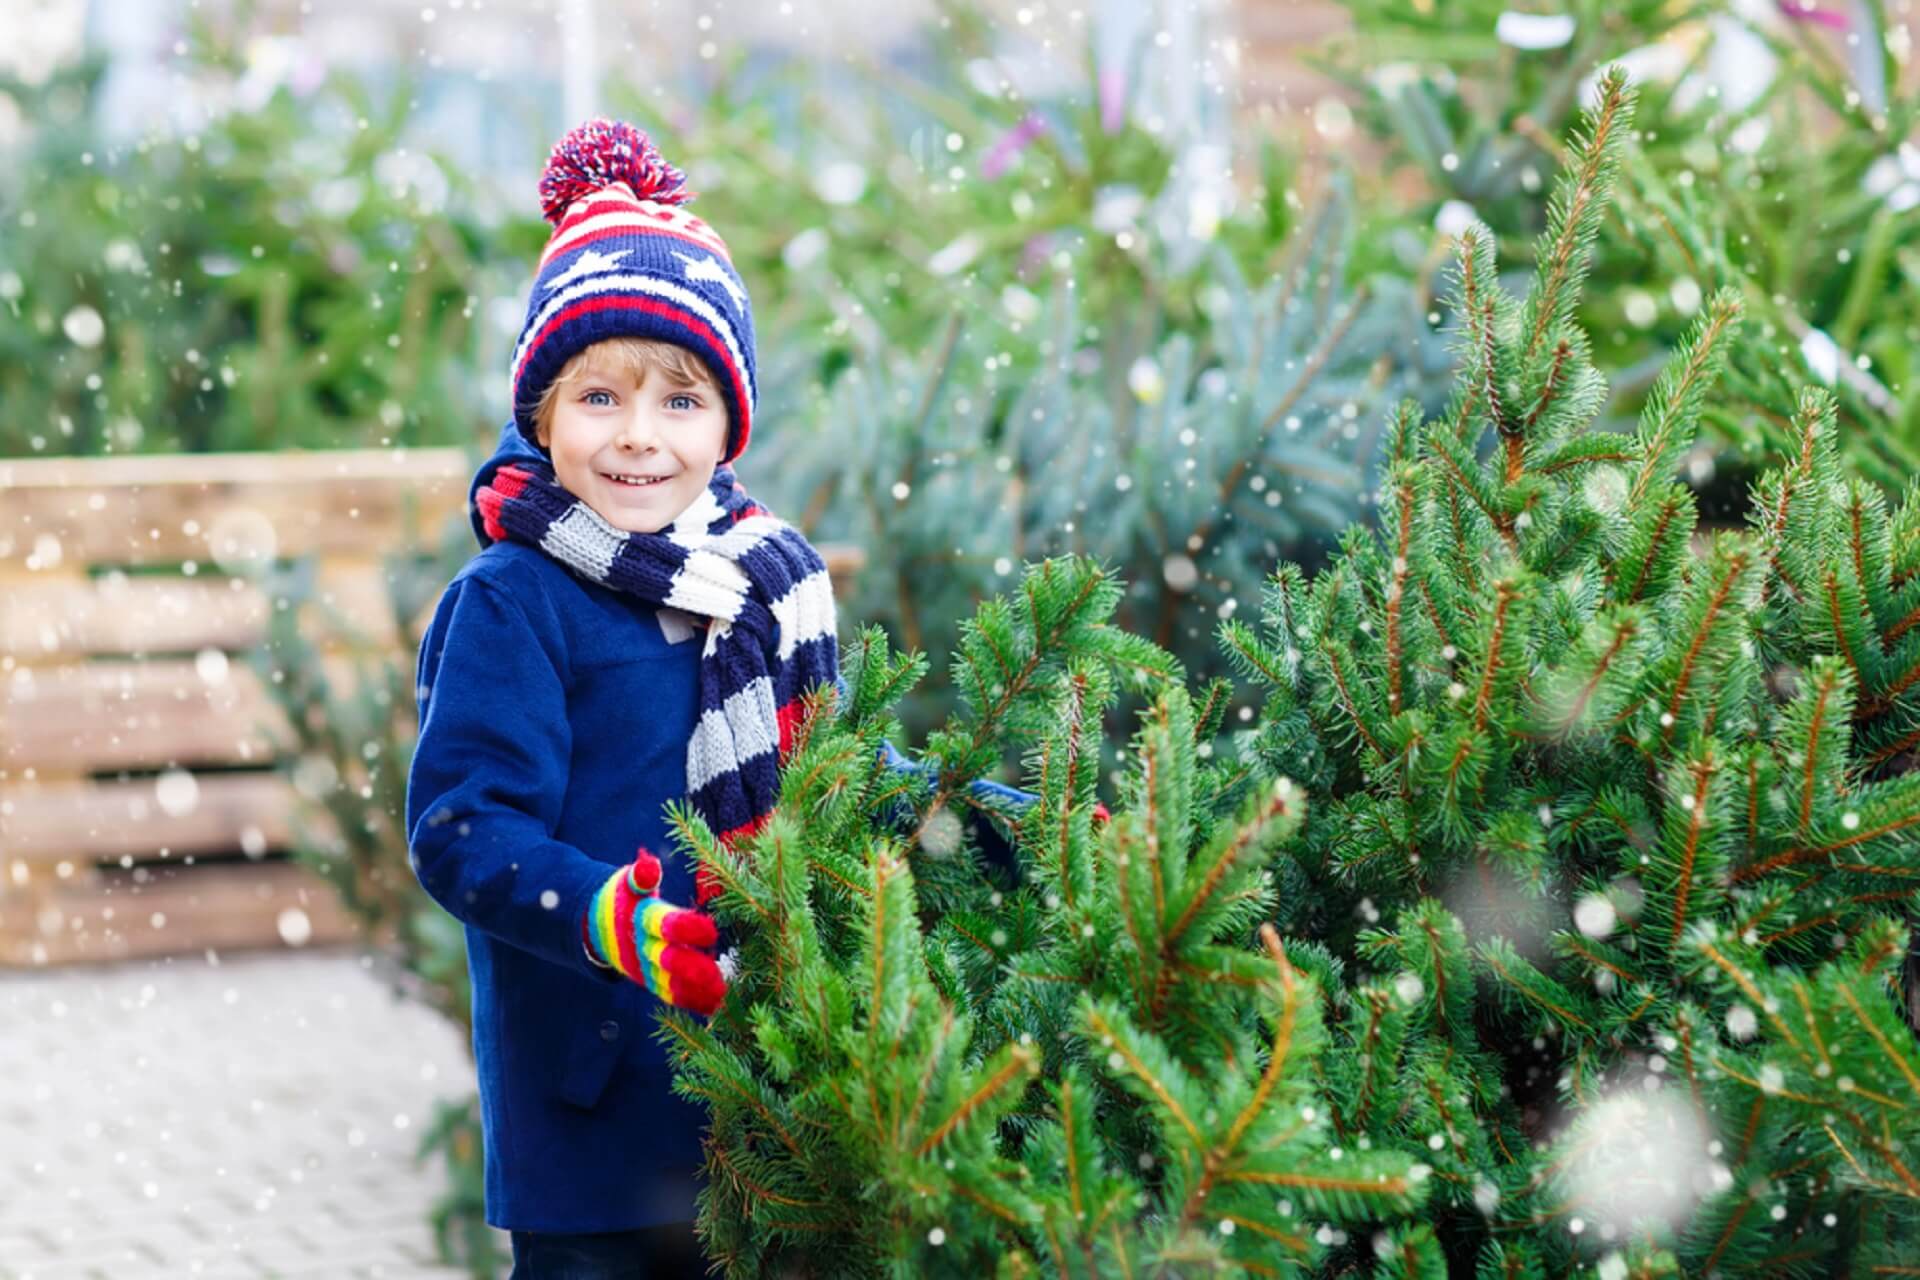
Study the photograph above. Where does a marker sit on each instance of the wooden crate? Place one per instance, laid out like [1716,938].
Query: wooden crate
[143,811]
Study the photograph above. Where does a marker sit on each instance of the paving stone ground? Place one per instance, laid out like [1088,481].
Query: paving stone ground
[252,1117]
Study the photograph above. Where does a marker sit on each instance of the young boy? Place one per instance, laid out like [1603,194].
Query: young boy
[635,630]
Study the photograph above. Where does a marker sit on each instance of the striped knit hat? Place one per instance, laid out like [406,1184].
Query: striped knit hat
[625,261]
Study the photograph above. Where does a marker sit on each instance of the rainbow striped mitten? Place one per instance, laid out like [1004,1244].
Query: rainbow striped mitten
[662,947]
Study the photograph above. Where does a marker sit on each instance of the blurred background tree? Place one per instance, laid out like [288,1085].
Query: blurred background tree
[1049,315]
[1774,157]
[290,277]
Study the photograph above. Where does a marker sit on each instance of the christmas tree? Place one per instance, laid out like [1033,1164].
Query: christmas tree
[1619,800]
[1544,925]
[930,1066]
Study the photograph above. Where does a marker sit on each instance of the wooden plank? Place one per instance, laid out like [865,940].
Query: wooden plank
[228,511]
[118,614]
[95,821]
[175,911]
[59,617]
[97,716]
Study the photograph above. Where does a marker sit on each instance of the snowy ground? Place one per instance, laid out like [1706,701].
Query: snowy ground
[257,1117]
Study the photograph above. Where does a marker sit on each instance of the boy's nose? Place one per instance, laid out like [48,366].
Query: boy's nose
[637,431]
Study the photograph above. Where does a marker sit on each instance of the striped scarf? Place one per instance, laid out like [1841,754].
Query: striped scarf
[772,636]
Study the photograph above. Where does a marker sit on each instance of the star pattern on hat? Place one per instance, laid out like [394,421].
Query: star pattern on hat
[705,268]
[590,262]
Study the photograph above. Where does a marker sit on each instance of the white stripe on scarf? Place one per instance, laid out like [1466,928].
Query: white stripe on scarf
[746,727]
[805,612]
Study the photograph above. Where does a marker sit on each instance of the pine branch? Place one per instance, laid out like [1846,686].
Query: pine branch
[1459,466]
[1487,366]
[1802,855]
[1899,1060]
[1367,1188]
[1018,1062]
[1254,658]
[1281,809]
[1531,985]
[1749,989]
[1667,423]
[1505,593]
[1107,1027]
[1403,541]
[1620,632]
[1735,569]
[1347,703]
[934,1060]
[1574,220]
[1584,451]
[1666,535]
[1550,389]
[1703,772]
[1283,1032]
[1066,782]
[1477,288]
[1829,686]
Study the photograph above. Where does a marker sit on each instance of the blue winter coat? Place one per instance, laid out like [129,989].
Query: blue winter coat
[554,720]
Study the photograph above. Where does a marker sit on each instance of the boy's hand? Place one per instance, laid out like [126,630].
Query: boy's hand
[662,947]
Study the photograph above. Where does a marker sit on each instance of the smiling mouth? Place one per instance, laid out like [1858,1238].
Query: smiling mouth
[634,482]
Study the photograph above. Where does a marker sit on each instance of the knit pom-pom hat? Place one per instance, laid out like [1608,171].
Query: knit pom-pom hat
[626,261]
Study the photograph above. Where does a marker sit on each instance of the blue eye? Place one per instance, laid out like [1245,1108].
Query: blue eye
[693,402]
[589,397]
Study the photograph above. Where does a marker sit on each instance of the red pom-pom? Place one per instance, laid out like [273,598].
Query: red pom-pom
[600,153]
[643,877]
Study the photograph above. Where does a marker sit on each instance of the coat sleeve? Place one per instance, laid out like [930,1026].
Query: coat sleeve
[489,775]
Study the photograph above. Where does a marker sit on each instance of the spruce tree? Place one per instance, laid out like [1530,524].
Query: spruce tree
[1544,925]
[930,1066]
[1618,795]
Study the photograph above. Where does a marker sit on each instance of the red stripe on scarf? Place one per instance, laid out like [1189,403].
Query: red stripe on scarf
[489,500]
[790,717]
[507,482]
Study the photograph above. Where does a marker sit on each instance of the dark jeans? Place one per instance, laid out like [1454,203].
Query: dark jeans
[665,1252]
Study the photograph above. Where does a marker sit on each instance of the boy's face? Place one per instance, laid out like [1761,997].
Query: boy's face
[609,431]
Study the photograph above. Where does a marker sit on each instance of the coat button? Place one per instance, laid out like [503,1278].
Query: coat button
[609,1031]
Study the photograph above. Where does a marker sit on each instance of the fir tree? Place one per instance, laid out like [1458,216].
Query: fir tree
[934,1068]
[1617,791]
[1544,926]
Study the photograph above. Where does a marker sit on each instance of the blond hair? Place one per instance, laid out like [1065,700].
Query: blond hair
[634,357]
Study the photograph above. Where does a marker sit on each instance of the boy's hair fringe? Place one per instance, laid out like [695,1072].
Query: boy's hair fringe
[634,357]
